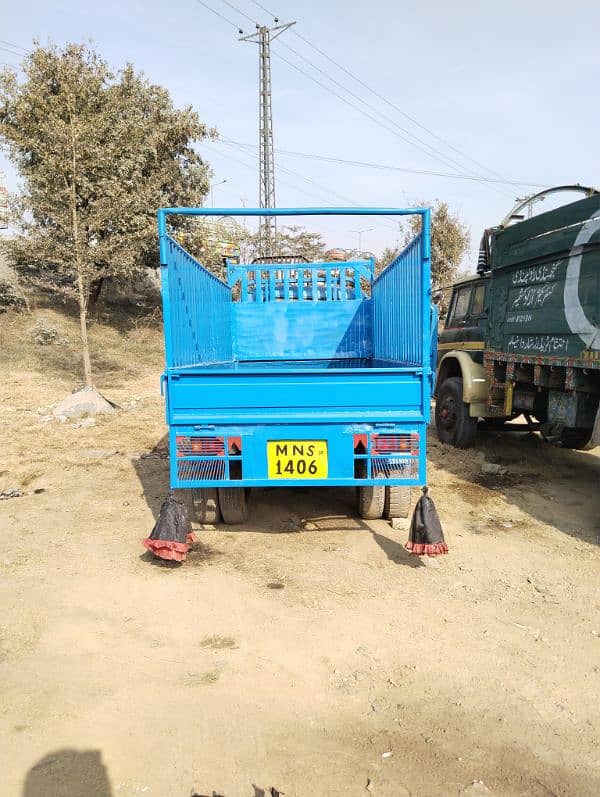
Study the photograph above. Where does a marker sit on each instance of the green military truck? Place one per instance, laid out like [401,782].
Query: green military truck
[523,336]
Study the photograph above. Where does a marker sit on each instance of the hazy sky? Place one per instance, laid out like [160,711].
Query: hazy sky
[512,85]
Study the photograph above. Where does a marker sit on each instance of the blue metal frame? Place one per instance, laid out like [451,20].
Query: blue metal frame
[301,353]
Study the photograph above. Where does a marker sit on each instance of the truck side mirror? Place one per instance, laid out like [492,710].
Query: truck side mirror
[437,296]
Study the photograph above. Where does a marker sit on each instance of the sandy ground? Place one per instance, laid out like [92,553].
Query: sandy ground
[306,650]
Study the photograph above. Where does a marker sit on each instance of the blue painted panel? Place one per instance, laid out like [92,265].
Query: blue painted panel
[196,309]
[398,308]
[302,330]
[198,398]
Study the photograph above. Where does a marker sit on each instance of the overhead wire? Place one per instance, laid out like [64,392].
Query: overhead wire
[217,13]
[239,11]
[12,52]
[421,145]
[430,151]
[407,135]
[14,46]
[381,96]
[365,113]
[386,167]
[310,181]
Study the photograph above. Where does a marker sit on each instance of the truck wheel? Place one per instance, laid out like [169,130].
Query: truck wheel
[206,505]
[452,420]
[370,501]
[233,505]
[398,502]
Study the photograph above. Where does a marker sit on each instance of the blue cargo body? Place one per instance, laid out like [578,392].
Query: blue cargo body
[297,358]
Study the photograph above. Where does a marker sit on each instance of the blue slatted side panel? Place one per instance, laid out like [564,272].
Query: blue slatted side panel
[398,307]
[197,311]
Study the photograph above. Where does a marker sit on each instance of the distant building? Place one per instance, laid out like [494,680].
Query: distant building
[332,255]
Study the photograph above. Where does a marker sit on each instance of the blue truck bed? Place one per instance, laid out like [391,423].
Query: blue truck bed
[297,373]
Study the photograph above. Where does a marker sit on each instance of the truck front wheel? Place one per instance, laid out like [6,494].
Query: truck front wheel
[452,420]
[234,507]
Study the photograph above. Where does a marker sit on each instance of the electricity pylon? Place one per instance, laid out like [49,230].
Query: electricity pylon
[266,168]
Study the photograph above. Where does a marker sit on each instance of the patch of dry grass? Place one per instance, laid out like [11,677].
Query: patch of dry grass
[127,358]
[123,344]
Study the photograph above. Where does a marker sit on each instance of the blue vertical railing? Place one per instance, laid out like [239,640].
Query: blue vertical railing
[197,310]
[318,281]
[398,322]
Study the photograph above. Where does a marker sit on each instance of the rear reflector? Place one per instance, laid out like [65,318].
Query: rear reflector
[200,446]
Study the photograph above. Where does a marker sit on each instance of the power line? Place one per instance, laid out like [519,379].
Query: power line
[383,98]
[239,11]
[430,150]
[12,52]
[252,167]
[360,110]
[388,167]
[14,46]
[433,152]
[217,14]
[351,104]
[318,186]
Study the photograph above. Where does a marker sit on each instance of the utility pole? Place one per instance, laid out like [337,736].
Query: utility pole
[266,172]
[360,235]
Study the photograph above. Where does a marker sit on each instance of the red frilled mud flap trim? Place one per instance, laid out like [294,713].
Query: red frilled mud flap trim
[426,536]
[167,549]
[427,549]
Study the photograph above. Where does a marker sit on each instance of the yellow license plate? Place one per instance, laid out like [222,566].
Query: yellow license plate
[297,459]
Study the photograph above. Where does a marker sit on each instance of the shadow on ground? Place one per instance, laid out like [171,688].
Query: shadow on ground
[557,486]
[276,510]
[68,773]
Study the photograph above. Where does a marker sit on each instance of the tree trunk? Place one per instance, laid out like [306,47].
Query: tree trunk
[94,295]
[81,288]
[85,348]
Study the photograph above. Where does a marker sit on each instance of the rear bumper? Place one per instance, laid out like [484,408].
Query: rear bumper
[357,454]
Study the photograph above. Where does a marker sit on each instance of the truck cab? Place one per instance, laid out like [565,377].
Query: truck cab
[461,386]
[523,335]
[464,328]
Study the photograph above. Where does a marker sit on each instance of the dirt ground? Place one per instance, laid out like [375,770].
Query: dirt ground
[305,651]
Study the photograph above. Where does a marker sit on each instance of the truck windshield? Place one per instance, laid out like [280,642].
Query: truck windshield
[477,306]
[461,306]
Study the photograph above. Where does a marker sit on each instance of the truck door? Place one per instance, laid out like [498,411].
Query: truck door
[465,322]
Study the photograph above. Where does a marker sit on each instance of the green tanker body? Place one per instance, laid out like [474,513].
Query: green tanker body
[523,336]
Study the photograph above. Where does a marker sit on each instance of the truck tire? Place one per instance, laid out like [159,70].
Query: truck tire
[205,503]
[234,507]
[452,420]
[398,502]
[370,501]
